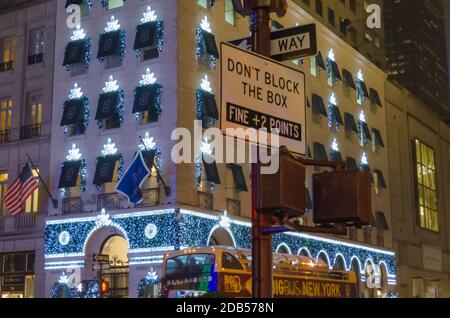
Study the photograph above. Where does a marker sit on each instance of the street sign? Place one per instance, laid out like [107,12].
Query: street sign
[97,267]
[260,93]
[288,44]
[101,258]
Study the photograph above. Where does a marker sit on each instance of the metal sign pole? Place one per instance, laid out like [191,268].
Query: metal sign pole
[261,243]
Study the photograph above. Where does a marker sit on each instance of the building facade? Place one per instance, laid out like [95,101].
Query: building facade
[348,19]
[26,80]
[418,144]
[99,81]
[416,50]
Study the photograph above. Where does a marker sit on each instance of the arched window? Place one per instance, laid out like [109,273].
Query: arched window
[339,263]
[221,237]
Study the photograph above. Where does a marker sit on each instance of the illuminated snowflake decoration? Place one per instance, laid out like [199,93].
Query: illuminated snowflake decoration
[64,238]
[362,117]
[148,143]
[206,148]
[206,84]
[149,16]
[103,219]
[335,145]
[148,78]
[224,221]
[364,160]
[109,149]
[63,279]
[151,231]
[111,85]
[152,275]
[76,92]
[205,25]
[78,34]
[331,55]
[360,76]
[333,99]
[74,154]
[112,25]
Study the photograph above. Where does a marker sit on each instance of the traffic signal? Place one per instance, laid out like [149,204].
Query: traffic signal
[104,287]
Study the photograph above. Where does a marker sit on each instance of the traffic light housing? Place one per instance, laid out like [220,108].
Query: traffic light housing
[342,197]
[104,287]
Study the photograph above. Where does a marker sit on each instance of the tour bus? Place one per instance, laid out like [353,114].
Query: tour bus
[226,272]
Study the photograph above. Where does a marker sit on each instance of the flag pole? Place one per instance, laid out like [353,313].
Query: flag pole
[167,189]
[54,202]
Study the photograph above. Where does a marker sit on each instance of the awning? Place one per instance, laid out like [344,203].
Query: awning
[109,44]
[375,98]
[209,104]
[318,105]
[210,43]
[380,177]
[350,164]
[366,130]
[107,105]
[74,52]
[364,89]
[319,61]
[239,177]
[337,114]
[378,138]
[69,174]
[350,122]
[336,156]
[146,36]
[145,99]
[348,79]
[69,2]
[73,112]
[335,70]
[212,174]
[320,152]
[104,172]
[381,222]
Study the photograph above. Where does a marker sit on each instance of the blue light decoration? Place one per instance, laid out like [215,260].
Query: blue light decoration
[150,284]
[205,87]
[77,95]
[110,151]
[149,17]
[149,144]
[180,228]
[114,26]
[149,80]
[361,97]
[75,155]
[199,175]
[331,59]
[112,86]
[363,139]
[80,36]
[333,121]
[104,3]
[201,51]
[61,289]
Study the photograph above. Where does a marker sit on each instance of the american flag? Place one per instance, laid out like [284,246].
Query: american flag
[20,191]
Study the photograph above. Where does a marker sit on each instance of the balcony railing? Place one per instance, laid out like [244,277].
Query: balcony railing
[2,225]
[234,207]
[109,201]
[6,66]
[30,132]
[72,206]
[5,136]
[25,222]
[35,59]
[151,197]
[205,200]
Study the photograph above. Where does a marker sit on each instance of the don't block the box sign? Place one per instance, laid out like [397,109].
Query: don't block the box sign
[342,197]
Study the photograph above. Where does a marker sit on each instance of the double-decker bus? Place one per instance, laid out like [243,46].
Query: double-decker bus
[226,271]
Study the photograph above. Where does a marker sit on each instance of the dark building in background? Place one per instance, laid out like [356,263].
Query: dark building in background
[447,33]
[416,50]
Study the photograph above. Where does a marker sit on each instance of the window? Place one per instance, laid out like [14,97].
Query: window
[203,3]
[36,46]
[426,190]
[353,5]
[319,7]
[34,112]
[231,262]
[230,16]
[331,17]
[113,4]
[8,49]
[3,189]
[5,114]
[32,204]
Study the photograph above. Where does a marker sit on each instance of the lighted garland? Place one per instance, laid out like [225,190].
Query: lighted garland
[87,52]
[360,91]
[159,37]
[201,52]
[122,43]
[83,174]
[149,281]
[85,102]
[157,105]
[120,110]
[121,170]
[363,139]
[199,176]
[330,73]
[333,122]
[59,290]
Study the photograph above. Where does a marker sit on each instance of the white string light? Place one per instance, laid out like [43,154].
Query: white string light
[75,92]
[149,16]
[112,25]
[111,85]
[206,84]
[109,149]
[148,78]
[74,154]
[205,25]
[78,34]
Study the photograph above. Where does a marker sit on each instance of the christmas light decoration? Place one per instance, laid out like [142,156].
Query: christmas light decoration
[79,35]
[363,138]
[76,94]
[333,121]
[199,175]
[112,86]
[149,80]
[205,88]
[201,51]
[114,26]
[110,150]
[360,95]
[150,17]
[149,283]
[75,155]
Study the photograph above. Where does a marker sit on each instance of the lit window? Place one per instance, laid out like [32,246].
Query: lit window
[230,16]
[426,186]
[203,3]
[32,203]
[3,189]
[113,4]
[5,114]
[8,49]
[35,109]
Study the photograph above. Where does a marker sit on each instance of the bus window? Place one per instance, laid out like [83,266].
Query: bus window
[230,262]
[190,265]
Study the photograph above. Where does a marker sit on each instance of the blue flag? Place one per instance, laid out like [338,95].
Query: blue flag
[130,185]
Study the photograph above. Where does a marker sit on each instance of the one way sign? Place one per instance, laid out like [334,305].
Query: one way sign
[289,44]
